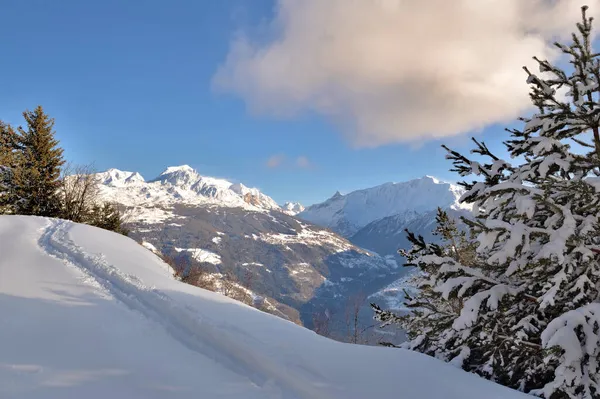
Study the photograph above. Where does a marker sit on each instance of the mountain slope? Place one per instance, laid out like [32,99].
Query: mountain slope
[387,235]
[89,313]
[347,214]
[297,266]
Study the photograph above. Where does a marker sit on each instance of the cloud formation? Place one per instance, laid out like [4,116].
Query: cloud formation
[390,71]
[275,161]
[303,162]
[281,160]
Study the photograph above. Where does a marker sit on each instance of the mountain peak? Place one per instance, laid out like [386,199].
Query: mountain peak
[178,169]
[180,176]
[116,177]
[292,208]
[337,195]
[434,179]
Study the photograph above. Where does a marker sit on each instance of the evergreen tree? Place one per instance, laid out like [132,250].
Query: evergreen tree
[8,162]
[107,216]
[431,311]
[37,180]
[529,300]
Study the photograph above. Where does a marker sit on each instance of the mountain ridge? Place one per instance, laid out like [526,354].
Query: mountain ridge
[348,213]
[180,184]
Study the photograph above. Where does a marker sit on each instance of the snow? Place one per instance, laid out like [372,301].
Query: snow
[253,264]
[87,313]
[118,178]
[308,236]
[393,294]
[348,213]
[148,215]
[202,255]
[176,169]
[562,332]
[150,247]
[292,208]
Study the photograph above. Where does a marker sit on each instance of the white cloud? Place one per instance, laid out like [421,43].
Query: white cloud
[397,70]
[303,162]
[275,161]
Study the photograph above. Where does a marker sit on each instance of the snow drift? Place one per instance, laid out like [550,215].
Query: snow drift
[89,313]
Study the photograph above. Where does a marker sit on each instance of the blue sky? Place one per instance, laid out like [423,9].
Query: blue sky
[129,84]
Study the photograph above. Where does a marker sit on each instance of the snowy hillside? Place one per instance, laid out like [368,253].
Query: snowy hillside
[91,314]
[347,214]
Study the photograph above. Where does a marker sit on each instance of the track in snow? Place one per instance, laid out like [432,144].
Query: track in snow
[181,322]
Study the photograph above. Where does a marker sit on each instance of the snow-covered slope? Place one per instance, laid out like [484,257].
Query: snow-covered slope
[348,213]
[180,185]
[86,313]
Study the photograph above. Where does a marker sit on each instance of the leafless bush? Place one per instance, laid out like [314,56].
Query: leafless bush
[248,279]
[184,271]
[352,311]
[228,284]
[79,192]
[321,322]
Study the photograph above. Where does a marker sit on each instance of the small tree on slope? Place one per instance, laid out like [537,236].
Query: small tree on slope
[432,311]
[530,306]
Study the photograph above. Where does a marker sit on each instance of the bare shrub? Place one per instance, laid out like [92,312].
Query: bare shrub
[352,312]
[321,322]
[79,189]
[185,271]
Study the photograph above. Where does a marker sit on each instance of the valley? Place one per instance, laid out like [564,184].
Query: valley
[304,265]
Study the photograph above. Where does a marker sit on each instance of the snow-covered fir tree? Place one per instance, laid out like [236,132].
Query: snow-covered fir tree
[529,301]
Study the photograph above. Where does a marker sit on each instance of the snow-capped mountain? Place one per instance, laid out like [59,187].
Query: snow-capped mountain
[347,214]
[180,185]
[228,228]
[292,208]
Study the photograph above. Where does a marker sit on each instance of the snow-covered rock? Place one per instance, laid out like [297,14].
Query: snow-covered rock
[253,196]
[87,313]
